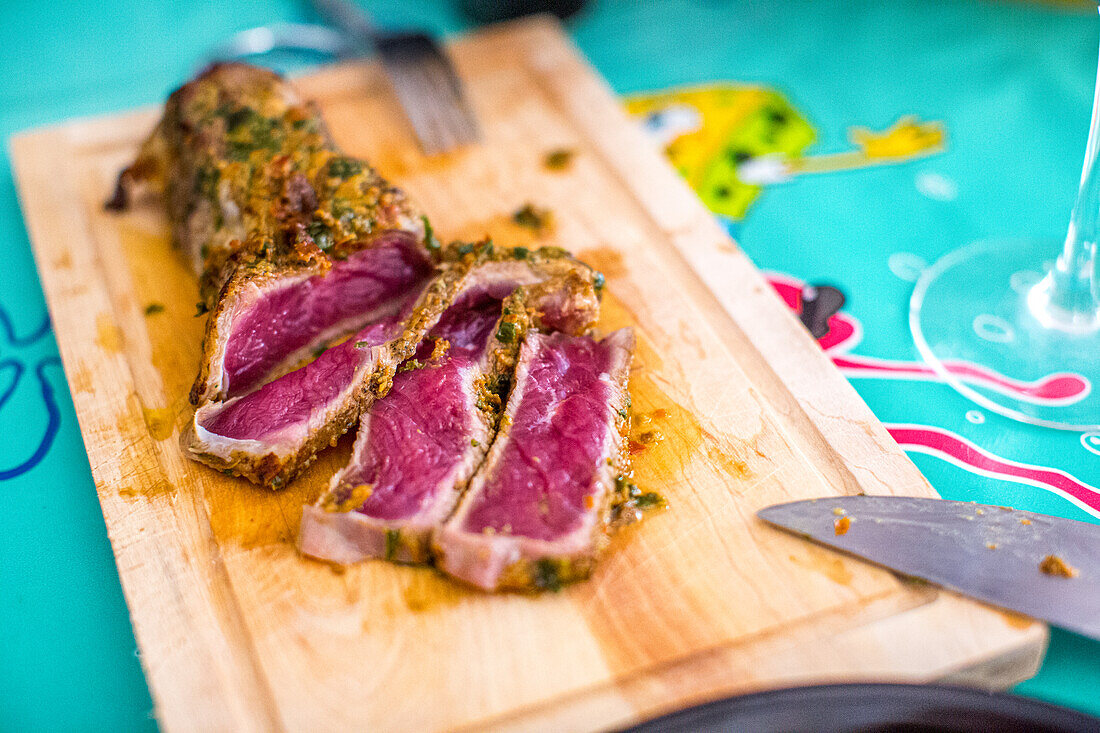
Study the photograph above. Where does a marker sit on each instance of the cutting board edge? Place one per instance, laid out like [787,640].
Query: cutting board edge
[804,657]
[179,667]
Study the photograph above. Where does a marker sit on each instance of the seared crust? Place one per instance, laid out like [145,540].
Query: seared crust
[512,562]
[562,291]
[270,469]
[257,193]
[250,174]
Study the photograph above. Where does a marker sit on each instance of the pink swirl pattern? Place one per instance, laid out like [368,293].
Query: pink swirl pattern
[1061,388]
[961,452]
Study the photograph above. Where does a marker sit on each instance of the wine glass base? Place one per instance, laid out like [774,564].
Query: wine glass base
[972,322]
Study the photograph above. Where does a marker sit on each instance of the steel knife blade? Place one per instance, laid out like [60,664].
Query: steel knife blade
[1038,565]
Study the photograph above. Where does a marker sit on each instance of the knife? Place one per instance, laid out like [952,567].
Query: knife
[1038,565]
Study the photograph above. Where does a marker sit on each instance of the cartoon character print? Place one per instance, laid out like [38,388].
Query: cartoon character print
[844,333]
[730,141]
[710,132]
[13,372]
[838,332]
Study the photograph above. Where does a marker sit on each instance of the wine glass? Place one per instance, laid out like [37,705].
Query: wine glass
[1014,325]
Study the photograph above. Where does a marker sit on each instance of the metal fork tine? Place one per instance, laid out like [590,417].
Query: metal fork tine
[422,107]
[430,92]
[434,104]
[422,75]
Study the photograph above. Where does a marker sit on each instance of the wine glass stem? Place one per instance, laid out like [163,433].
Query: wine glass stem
[1069,296]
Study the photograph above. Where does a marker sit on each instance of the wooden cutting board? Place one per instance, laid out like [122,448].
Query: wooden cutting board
[238,632]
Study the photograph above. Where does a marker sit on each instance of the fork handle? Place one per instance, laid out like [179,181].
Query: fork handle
[346,16]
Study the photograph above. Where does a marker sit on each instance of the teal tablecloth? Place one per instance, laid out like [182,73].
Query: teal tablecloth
[1011,84]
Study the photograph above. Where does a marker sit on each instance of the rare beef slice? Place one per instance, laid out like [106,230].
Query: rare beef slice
[273,433]
[536,512]
[273,322]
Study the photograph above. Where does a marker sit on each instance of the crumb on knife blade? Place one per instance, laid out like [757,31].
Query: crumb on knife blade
[1056,566]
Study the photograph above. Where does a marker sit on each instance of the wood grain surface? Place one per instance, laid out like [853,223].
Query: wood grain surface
[238,632]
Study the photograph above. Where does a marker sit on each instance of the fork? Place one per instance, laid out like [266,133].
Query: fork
[426,84]
[422,76]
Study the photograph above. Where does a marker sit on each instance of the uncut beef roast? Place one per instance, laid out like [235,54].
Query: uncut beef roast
[294,243]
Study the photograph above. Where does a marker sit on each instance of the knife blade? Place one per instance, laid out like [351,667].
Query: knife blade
[1014,559]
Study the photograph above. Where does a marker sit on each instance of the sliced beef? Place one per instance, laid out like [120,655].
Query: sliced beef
[318,403]
[561,292]
[271,215]
[536,512]
[266,324]
[268,436]
[418,446]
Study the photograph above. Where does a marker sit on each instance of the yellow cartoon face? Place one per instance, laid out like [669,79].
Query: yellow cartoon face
[710,132]
[730,141]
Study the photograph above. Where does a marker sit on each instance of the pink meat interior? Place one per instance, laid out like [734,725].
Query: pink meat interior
[421,430]
[293,398]
[290,318]
[555,444]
